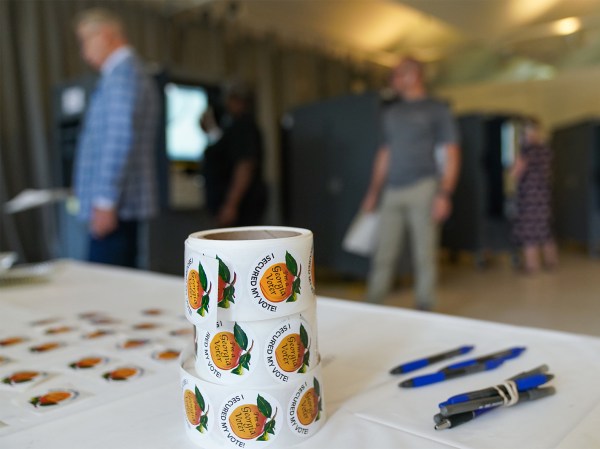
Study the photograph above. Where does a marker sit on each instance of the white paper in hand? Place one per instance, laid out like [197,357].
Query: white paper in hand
[361,237]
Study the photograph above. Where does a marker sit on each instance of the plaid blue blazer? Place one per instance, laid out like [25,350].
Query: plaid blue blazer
[116,150]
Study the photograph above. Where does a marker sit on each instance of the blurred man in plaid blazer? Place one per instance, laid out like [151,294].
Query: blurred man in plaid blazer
[115,178]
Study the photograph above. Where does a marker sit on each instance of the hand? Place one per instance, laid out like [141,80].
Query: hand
[208,121]
[227,216]
[104,221]
[369,204]
[441,208]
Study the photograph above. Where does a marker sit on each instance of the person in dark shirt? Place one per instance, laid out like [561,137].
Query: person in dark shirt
[235,191]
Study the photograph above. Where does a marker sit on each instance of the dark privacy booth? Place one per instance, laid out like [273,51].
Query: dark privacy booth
[482,206]
[328,150]
[576,172]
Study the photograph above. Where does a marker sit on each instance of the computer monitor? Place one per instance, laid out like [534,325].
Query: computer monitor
[185,103]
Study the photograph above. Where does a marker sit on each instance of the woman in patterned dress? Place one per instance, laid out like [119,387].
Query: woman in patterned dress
[532,171]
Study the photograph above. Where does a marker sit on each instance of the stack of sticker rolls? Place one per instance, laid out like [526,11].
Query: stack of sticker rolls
[253,377]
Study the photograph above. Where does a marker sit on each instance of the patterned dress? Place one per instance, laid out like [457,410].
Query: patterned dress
[534,213]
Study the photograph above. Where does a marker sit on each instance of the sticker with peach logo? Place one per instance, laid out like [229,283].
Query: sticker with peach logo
[228,351]
[12,341]
[99,333]
[273,282]
[44,321]
[133,343]
[152,312]
[226,293]
[305,408]
[59,330]
[88,363]
[22,377]
[288,350]
[123,374]
[166,355]
[196,409]
[198,289]
[249,419]
[54,398]
[46,347]
[146,326]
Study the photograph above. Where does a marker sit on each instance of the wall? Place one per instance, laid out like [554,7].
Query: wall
[569,97]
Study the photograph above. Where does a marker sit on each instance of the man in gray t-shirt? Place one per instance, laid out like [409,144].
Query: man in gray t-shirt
[415,195]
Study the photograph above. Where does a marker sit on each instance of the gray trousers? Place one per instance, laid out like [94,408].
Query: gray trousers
[402,208]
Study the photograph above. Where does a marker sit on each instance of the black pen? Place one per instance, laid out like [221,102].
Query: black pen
[447,422]
[494,401]
[416,364]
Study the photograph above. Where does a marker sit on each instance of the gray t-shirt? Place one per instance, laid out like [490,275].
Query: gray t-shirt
[412,130]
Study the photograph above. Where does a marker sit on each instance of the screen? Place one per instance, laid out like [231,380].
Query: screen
[185,105]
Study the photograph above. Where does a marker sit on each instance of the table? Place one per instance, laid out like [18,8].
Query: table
[359,343]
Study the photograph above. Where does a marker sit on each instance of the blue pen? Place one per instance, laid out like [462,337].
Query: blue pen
[507,354]
[522,384]
[494,401]
[447,373]
[416,364]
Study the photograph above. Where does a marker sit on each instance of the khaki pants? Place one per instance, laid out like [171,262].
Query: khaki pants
[401,208]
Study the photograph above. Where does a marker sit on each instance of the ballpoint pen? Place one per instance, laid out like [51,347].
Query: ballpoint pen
[506,354]
[447,422]
[539,370]
[494,401]
[416,364]
[448,373]
[522,383]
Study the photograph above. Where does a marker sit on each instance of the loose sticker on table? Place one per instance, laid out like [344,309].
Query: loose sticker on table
[45,321]
[12,341]
[133,343]
[166,355]
[54,399]
[125,373]
[89,362]
[275,281]
[98,333]
[249,419]
[23,379]
[153,312]
[59,330]
[46,347]
[145,326]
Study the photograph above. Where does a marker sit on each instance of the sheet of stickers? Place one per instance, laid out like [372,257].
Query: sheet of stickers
[57,365]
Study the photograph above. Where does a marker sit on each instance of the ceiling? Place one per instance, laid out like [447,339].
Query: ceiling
[464,40]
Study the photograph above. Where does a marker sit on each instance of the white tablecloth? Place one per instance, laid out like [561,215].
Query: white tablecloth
[359,343]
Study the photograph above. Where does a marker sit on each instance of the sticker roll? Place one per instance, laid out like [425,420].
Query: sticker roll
[234,416]
[247,274]
[267,352]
